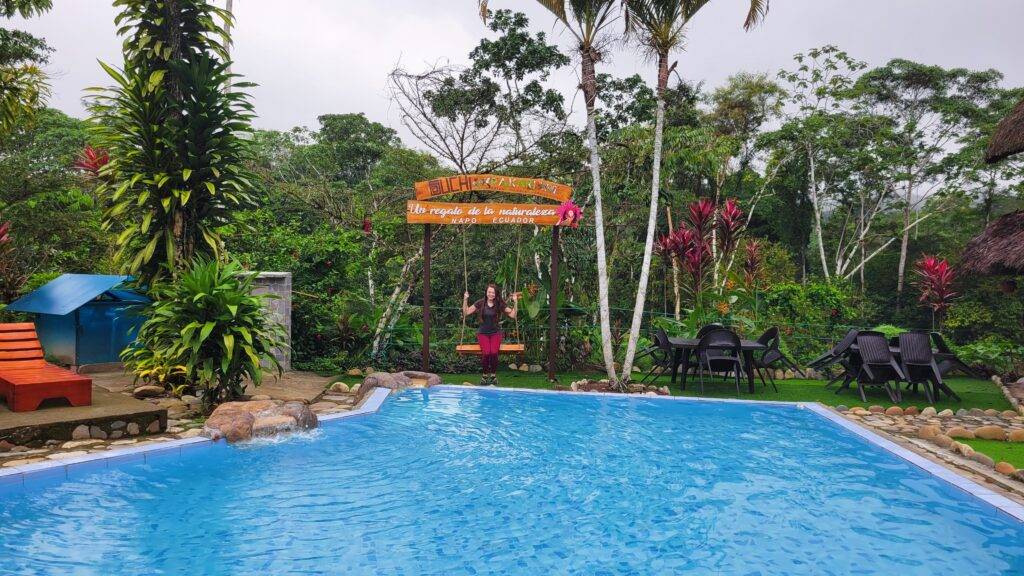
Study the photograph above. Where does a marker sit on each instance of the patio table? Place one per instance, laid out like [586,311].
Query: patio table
[682,347]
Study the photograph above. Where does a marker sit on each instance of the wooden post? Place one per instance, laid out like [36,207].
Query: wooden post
[553,305]
[425,352]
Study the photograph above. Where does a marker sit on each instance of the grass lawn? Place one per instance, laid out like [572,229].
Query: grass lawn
[1012,452]
[975,393]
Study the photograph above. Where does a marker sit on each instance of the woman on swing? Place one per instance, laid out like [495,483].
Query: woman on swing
[489,310]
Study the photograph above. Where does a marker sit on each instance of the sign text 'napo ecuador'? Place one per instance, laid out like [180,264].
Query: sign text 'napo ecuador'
[492,183]
[450,213]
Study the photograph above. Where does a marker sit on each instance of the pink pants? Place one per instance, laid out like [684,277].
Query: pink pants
[490,345]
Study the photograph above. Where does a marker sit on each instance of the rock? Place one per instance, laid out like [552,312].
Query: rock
[575,386]
[962,449]
[174,430]
[354,372]
[81,432]
[1016,436]
[97,432]
[942,441]
[190,433]
[124,442]
[894,411]
[997,380]
[536,368]
[876,409]
[1008,414]
[355,388]
[66,455]
[945,413]
[959,432]
[910,411]
[304,418]
[976,412]
[467,383]
[133,429]
[259,397]
[154,427]
[664,391]
[1005,468]
[191,401]
[148,391]
[961,412]
[397,381]
[928,432]
[117,425]
[79,444]
[928,412]
[5,446]
[842,408]
[322,406]
[991,412]
[990,433]
[524,367]
[116,434]
[237,421]
[340,388]
[982,459]
[790,375]
[272,425]
[513,366]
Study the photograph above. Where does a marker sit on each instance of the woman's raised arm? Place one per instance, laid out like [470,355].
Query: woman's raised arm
[466,308]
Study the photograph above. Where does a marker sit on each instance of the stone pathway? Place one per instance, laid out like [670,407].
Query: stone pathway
[940,432]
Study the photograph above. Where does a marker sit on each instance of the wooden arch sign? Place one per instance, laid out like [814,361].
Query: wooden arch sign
[462,183]
[422,211]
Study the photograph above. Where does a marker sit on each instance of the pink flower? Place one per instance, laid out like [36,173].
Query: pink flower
[569,214]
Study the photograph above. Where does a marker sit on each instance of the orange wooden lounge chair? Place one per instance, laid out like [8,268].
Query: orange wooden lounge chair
[26,379]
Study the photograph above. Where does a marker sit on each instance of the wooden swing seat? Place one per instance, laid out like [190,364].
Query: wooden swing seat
[474,349]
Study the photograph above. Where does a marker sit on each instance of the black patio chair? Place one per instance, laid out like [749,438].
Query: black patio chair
[947,360]
[839,354]
[660,353]
[708,328]
[719,352]
[771,356]
[877,366]
[919,367]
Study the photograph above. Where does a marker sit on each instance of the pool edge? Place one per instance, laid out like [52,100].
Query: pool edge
[66,467]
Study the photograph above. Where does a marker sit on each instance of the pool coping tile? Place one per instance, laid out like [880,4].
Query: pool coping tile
[939,471]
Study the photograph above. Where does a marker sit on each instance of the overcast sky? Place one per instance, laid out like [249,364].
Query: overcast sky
[312,57]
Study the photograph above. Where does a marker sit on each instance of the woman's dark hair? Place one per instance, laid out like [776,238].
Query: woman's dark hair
[499,302]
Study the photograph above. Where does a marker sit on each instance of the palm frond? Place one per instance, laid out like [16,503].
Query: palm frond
[758,10]
[556,7]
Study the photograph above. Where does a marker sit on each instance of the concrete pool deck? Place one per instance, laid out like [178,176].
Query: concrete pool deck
[22,475]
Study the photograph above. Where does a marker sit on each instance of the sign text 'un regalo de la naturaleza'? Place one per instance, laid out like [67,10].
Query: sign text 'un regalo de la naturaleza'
[428,189]
[493,213]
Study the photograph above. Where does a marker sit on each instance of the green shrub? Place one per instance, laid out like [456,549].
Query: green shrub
[994,354]
[889,330]
[210,324]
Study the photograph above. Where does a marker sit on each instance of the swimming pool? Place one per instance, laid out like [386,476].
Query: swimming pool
[466,481]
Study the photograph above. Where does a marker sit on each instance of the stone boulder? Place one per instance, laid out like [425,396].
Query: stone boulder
[238,421]
[148,391]
[990,432]
[397,381]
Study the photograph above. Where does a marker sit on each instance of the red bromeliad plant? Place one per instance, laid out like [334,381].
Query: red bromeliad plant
[752,264]
[91,160]
[935,280]
[730,225]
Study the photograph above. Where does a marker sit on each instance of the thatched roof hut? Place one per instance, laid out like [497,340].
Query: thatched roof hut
[1009,137]
[997,250]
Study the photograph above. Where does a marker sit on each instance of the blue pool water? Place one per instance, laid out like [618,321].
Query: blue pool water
[485,482]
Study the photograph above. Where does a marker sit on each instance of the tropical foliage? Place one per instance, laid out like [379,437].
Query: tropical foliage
[172,126]
[209,327]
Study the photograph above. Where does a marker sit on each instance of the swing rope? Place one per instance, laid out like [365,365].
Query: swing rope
[465,280]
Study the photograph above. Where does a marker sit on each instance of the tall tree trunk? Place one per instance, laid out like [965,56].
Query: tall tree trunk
[590,96]
[904,246]
[816,203]
[652,222]
[677,291]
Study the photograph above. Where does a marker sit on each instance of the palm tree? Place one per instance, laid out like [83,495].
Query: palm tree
[23,84]
[659,26]
[587,21]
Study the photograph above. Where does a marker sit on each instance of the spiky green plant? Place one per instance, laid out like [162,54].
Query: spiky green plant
[209,324]
[172,126]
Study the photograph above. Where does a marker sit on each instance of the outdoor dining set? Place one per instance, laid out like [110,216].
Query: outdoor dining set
[863,358]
